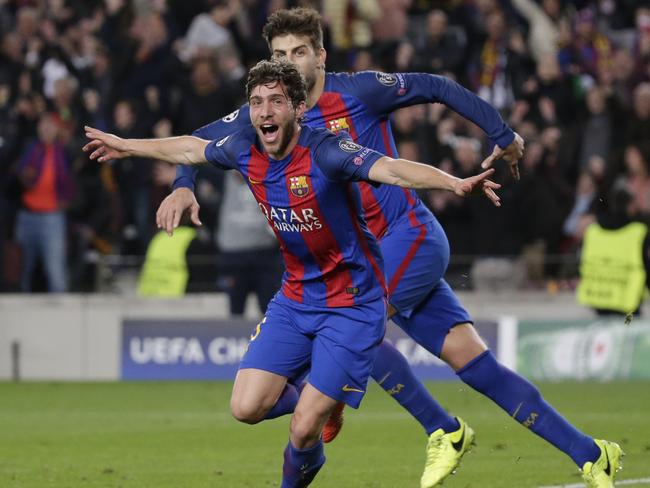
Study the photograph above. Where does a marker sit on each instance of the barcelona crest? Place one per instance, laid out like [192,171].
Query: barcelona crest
[298,186]
[337,125]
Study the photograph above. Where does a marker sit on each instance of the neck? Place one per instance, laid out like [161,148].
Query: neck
[316,90]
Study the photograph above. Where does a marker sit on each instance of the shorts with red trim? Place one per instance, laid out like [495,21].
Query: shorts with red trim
[415,260]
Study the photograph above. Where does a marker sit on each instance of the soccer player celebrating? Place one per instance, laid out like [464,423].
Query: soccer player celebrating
[415,249]
[331,309]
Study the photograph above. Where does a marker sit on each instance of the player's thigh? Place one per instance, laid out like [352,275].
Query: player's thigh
[344,350]
[254,393]
[415,259]
[430,323]
[277,344]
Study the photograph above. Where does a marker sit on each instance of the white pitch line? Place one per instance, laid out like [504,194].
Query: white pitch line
[638,481]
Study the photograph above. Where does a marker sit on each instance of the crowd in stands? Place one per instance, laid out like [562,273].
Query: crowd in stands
[572,77]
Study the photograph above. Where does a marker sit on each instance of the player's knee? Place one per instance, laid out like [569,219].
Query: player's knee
[247,411]
[462,345]
[303,429]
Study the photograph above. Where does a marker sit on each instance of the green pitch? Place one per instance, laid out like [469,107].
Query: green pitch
[180,435]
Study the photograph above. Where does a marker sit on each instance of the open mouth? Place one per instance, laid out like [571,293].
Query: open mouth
[269,132]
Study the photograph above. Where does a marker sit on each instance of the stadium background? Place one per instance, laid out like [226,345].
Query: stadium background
[572,78]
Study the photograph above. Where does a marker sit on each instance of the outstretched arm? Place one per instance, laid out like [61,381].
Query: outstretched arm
[385,93]
[408,174]
[176,150]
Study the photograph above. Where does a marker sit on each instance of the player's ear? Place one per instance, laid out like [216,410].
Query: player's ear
[300,110]
[322,56]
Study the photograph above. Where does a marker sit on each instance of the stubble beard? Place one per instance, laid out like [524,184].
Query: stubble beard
[288,131]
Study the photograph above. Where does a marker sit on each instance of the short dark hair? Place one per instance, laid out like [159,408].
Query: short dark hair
[266,72]
[297,21]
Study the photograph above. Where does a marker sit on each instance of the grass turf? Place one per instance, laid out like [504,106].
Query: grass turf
[181,435]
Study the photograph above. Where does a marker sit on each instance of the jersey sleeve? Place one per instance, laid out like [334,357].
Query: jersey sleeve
[384,93]
[217,130]
[222,153]
[340,158]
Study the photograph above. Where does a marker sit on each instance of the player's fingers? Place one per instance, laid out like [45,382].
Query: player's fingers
[177,218]
[494,198]
[489,161]
[514,170]
[96,154]
[93,133]
[484,175]
[194,214]
[169,222]
[159,219]
[491,184]
[94,144]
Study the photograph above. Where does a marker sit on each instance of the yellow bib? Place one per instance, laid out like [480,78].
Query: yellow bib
[612,273]
[165,273]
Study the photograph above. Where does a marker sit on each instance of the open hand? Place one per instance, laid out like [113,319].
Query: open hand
[169,214]
[477,183]
[104,147]
[512,154]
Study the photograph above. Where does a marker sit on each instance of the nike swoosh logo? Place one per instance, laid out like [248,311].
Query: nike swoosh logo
[254,182]
[458,445]
[347,387]
[608,468]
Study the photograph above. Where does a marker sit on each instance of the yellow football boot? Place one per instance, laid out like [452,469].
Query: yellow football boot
[601,473]
[444,452]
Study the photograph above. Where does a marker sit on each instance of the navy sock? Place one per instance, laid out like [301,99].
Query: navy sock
[285,404]
[523,401]
[393,373]
[301,465]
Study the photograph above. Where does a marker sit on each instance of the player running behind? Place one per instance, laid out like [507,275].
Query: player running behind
[415,250]
[331,309]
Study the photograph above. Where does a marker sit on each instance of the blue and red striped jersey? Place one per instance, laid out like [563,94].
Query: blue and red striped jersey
[360,105]
[314,209]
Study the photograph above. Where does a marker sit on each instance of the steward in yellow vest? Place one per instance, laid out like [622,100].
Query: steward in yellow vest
[613,263]
[165,272]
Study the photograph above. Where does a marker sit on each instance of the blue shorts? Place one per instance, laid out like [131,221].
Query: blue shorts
[340,344]
[415,260]
[430,322]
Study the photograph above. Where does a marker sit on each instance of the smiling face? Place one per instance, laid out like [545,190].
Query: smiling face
[299,50]
[274,117]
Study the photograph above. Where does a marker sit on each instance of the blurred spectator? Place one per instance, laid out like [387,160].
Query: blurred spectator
[615,263]
[205,99]
[639,123]
[622,78]
[208,33]
[388,30]
[543,20]
[641,42]
[249,260]
[47,189]
[543,200]
[440,50]
[579,217]
[588,50]
[597,127]
[350,25]
[546,98]
[637,176]
[133,178]
[488,72]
